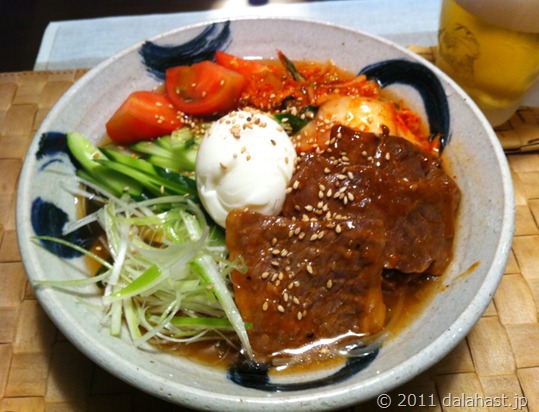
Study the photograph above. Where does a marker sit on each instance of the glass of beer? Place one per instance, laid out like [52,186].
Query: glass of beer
[491,49]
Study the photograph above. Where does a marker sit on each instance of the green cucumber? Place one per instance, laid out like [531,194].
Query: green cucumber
[156,180]
[177,151]
[88,157]
[149,168]
[184,161]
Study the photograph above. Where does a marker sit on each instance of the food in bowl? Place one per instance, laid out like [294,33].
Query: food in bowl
[421,337]
[334,198]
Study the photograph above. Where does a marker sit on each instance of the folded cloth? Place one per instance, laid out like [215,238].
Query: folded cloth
[84,43]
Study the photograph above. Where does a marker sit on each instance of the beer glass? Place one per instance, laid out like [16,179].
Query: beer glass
[491,48]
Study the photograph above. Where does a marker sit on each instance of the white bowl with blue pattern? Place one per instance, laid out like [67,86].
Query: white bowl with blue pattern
[472,152]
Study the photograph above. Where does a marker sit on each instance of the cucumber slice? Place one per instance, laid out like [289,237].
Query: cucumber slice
[88,157]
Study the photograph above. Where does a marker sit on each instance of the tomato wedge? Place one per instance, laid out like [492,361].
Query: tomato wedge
[204,89]
[144,115]
[239,65]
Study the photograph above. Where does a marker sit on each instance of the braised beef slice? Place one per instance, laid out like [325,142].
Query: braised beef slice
[306,280]
[386,178]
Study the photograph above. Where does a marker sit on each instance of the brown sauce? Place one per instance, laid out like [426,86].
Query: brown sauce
[404,303]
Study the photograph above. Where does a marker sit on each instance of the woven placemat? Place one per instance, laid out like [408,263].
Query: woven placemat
[40,370]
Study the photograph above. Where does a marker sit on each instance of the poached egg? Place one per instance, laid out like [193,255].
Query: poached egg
[245,160]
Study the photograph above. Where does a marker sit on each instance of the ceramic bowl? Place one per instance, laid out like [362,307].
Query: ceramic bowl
[472,153]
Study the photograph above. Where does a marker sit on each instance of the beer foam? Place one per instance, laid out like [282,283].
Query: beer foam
[518,15]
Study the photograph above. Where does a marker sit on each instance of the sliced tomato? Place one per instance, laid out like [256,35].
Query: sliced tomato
[239,65]
[144,115]
[204,88]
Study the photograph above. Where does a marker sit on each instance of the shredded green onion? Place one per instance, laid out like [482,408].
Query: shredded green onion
[168,274]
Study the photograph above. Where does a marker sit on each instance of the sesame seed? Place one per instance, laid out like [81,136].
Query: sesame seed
[295,300]
[338,228]
[310,269]
[295,185]
[236,131]
[265,306]
[275,251]
[265,275]
[280,308]
[350,196]
[388,156]
[329,284]
[299,316]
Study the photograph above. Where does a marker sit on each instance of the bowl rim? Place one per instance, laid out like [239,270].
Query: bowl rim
[346,394]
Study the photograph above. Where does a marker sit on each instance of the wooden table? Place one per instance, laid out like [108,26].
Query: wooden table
[40,370]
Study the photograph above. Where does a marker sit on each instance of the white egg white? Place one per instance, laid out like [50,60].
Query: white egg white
[245,160]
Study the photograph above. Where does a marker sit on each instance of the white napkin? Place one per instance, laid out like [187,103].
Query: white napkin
[84,43]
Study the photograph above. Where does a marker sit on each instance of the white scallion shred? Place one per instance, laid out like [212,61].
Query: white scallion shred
[168,275]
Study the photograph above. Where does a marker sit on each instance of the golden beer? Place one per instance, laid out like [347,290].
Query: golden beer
[491,48]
